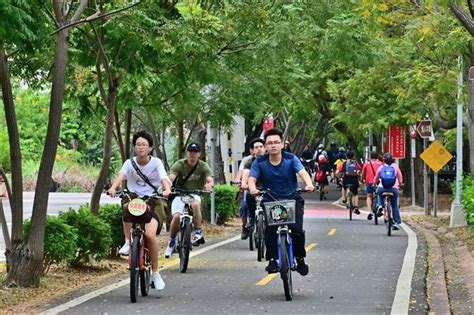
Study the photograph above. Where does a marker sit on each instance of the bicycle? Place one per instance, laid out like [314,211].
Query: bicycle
[281,213]
[184,244]
[374,205]
[139,260]
[387,210]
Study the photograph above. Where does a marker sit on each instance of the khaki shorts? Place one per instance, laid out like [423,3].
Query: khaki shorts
[159,211]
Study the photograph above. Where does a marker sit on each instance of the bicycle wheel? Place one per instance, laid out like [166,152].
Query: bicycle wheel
[349,202]
[145,273]
[285,270]
[251,238]
[260,235]
[321,193]
[374,209]
[134,268]
[389,216]
[185,246]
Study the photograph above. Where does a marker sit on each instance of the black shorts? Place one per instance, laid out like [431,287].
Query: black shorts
[354,181]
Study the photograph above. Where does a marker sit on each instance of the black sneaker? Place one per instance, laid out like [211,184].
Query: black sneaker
[356,210]
[301,267]
[369,216]
[245,233]
[379,211]
[344,201]
[272,266]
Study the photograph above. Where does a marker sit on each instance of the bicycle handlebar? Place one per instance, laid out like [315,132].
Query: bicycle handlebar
[180,191]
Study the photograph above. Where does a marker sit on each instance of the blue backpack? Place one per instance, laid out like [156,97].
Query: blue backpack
[388,176]
[351,168]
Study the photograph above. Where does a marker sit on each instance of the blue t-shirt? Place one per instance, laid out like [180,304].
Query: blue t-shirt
[280,179]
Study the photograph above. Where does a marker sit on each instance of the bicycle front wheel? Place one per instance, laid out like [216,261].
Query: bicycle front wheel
[260,243]
[349,202]
[251,237]
[134,268]
[145,273]
[285,268]
[185,246]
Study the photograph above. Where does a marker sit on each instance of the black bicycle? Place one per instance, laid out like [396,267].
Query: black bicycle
[259,234]
[387,210]
[349,204]
[374,205]
[139,261]
[184,243]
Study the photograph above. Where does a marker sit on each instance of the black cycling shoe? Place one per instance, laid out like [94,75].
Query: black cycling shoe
[245,233]
[370,216]
[301,267]
[379,211]
[356,210]
[272,266]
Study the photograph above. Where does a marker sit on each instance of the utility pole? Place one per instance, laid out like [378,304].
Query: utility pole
[457,217]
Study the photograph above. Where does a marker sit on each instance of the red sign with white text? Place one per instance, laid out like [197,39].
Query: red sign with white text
[267,124]
[397,142]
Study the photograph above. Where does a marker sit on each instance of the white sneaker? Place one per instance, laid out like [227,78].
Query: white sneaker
[198,239]
[125,249]
[170,249]
[158,283]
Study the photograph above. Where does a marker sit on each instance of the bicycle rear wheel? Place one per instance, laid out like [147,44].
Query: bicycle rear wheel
[184,246]
[134,268]
[285,269]
[374,209]
[260,243]
[389,217]
[145,273]
[349,202]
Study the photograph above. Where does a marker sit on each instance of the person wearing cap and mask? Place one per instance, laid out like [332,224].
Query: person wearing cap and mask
[389,161]
[193,174]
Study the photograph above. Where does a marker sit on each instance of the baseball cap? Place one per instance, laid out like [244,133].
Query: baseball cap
[194,147]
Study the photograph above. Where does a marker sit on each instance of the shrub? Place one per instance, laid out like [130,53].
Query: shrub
[467,199]
[94,235]
[60,241]
[226,204]
[112,215]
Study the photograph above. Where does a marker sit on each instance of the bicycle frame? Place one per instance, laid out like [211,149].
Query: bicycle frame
[284,230]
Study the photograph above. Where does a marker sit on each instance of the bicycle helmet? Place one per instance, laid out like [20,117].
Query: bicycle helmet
[342,149]
[320,146]
[387,158]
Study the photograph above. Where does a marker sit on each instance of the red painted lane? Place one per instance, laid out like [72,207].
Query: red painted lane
[329,211]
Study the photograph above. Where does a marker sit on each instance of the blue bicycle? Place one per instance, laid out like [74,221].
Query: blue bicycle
[281,213]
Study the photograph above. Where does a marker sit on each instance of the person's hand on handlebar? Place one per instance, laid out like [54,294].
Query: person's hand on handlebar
[309,187]
[254,192]
[208,187]
[111,192]
[167,193]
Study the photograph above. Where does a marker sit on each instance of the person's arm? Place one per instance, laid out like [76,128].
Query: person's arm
[117,182]
[399,176]
[363,173]
[252,182]
[245,179]
[307,180]
[209,183]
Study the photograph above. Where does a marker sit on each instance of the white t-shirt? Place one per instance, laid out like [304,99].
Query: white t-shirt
[154,170]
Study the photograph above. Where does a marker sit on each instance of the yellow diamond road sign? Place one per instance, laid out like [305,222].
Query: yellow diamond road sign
[436,156]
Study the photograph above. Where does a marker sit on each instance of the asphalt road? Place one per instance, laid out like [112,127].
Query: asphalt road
[354,268]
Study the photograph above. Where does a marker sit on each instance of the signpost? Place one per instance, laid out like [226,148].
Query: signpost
[436,157]
[424,128]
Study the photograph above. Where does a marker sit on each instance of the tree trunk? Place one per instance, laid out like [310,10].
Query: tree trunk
[16,195]
[123,152]
[109,132]
[181,148]
[128,131]
[26,260]
[470,126]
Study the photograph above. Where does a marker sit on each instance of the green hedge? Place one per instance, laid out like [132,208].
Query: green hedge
[60,241]
[94,235]
[467,199]
[112,215]
[226,204]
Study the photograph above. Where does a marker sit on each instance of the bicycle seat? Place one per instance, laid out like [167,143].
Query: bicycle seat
[387,193]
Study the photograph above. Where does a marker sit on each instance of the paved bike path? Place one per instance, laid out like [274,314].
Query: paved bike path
[354,268]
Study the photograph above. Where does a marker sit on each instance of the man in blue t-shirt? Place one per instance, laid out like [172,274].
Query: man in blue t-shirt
[277,171]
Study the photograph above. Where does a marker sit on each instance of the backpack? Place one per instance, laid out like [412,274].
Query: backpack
[322,159]
[320,176]
[388,176]
[351,168]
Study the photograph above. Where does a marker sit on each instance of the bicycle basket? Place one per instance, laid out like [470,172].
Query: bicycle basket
[137,211]
[280,212]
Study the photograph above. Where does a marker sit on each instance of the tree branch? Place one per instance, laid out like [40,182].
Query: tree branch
[462,16]
[97,15]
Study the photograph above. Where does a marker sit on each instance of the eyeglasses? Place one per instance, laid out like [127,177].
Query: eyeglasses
[143,145]
[273,143]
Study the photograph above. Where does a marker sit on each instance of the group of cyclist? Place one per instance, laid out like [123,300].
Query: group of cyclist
[271,166]
[145,174]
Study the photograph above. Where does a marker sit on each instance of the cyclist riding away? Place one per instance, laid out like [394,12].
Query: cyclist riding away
[349,171]
[391,179]
[154,170]
[258,149]
[277,171]
[321,177]
[307,155]
[243,207]
[190,173]
[368,173]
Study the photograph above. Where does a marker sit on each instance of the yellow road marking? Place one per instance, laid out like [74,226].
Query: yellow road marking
[265,280]
[332,232]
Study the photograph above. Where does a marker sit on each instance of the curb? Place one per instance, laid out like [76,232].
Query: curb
[437,294]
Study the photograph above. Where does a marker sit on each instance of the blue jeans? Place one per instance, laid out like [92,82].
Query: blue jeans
[393,201]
